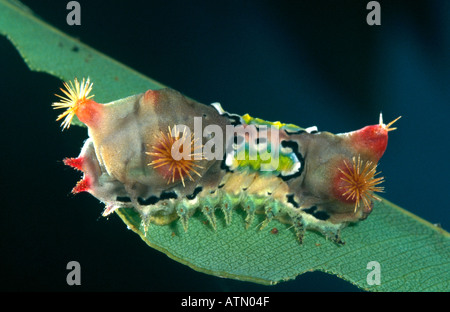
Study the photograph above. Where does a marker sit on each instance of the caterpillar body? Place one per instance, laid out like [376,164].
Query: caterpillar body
[167,156]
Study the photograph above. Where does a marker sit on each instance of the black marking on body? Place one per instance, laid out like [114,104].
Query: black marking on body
[123,199]
[234,119]
[168,195]
[197,190]
[152,200]
[294,132]
[149,201]
[320,215]
[294,146]
[290,199]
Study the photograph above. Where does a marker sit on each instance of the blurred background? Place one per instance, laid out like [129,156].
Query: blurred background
[302,62]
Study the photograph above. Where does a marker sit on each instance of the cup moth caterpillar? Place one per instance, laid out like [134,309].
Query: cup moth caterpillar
[166,156]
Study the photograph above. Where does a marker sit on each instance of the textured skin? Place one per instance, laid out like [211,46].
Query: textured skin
[301,190]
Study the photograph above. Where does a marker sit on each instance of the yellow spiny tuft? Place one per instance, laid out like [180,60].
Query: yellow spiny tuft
[388,126]
[75,94]
[361,182]
[162,154]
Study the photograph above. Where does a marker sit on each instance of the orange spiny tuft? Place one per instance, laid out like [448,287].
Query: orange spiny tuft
[163,160]
[360,182]
[76,94]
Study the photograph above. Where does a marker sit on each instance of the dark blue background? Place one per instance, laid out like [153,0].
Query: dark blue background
[303,62]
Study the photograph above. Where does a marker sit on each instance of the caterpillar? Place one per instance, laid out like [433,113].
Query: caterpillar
[167,156]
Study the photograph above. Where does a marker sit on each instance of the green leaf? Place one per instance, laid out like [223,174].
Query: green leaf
[413,254]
